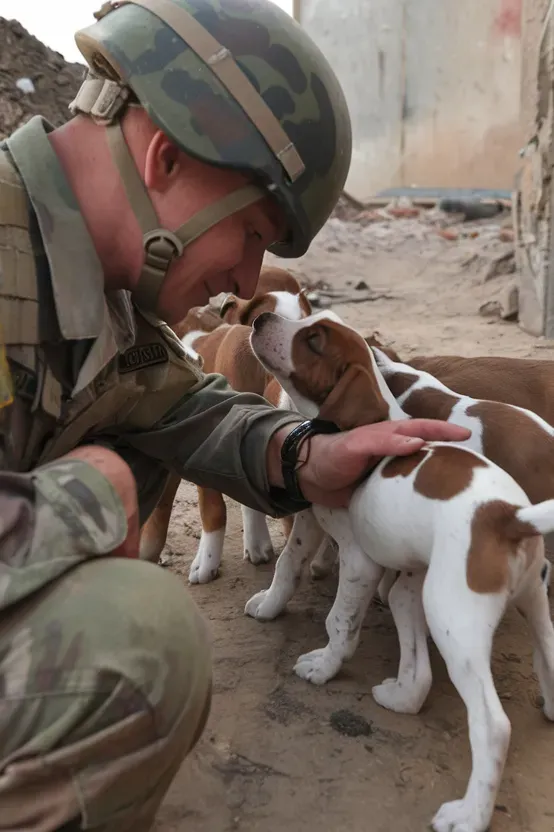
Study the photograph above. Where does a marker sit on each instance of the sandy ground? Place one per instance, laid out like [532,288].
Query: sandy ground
[279,754]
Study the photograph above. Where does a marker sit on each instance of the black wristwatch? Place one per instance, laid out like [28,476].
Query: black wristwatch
[291,447]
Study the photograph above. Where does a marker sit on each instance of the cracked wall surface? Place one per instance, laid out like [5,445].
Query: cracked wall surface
[433,88]
[534,187]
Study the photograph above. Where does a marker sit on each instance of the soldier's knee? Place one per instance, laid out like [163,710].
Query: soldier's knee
[114,468]
[159,700]
[114,642]
[153,637]
[117,690]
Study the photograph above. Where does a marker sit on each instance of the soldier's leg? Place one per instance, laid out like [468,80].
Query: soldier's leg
[105,680]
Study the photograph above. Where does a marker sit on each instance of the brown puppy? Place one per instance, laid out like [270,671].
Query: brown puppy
[274,286]
[227,351]
[224,348]
[277,291]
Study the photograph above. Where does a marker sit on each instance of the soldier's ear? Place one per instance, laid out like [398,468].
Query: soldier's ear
[163,163]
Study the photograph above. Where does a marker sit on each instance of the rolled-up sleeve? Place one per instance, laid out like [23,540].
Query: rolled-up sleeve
[217,438]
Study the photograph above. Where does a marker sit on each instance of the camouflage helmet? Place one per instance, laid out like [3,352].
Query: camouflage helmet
[234,83]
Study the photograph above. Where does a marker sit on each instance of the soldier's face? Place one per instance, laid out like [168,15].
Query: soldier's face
[229,256]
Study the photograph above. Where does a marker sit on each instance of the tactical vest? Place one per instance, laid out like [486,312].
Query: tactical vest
[133,392]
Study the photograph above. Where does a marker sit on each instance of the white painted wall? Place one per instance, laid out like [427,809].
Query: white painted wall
[433,88]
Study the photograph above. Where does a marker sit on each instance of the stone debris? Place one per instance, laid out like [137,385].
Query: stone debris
[34,80]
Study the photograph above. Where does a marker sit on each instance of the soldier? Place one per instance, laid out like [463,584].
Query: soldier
[221,119]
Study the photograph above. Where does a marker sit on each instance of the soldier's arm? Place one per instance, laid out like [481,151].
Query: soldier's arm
[219,439]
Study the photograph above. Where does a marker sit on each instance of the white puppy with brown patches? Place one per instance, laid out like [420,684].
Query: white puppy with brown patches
[458,527]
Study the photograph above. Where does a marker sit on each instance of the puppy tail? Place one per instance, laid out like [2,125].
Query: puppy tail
[533,520]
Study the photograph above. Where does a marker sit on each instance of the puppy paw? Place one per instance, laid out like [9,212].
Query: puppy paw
[258,551]
[205,566]
[318,666]
[395,696]
[263,606]
[458,816]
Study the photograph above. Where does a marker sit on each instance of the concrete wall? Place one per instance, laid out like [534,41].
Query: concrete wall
[433,88]
[533,202]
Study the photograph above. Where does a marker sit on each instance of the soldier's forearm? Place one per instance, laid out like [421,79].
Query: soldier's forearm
[221,439]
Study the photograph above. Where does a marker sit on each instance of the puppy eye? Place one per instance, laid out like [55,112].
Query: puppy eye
[315,342]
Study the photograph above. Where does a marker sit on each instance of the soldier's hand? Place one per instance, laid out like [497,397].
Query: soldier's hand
[336,463]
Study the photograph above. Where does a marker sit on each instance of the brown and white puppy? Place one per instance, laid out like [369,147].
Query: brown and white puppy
[522,382]
[516,381]
[225,349]
[273,279]
[272,293]
[199,319]
[514,437]
[277,291]
[458,527]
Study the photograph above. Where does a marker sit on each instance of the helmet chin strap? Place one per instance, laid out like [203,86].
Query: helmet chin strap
[162,246]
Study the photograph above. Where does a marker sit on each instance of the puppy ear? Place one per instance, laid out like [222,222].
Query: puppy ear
[355,400]
[373,341]
[228,303]
[233,310]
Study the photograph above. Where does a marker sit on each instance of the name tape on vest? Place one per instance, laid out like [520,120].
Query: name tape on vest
[145,355]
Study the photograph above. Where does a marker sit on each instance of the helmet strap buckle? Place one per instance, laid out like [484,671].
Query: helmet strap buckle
[160,247]
[101,99]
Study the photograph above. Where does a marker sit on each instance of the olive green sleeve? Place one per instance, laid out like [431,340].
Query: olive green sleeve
[218,438]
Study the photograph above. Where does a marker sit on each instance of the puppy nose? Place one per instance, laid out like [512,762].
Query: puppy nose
[259,322]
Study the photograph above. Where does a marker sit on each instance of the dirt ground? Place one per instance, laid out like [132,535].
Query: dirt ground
[281,754]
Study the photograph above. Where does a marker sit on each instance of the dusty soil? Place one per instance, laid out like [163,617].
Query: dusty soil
[280,754]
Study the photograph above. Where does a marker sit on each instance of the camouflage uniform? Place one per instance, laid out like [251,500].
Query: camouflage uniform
[80,656]
[105,669]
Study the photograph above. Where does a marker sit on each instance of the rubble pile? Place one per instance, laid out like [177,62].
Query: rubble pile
[33,79]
